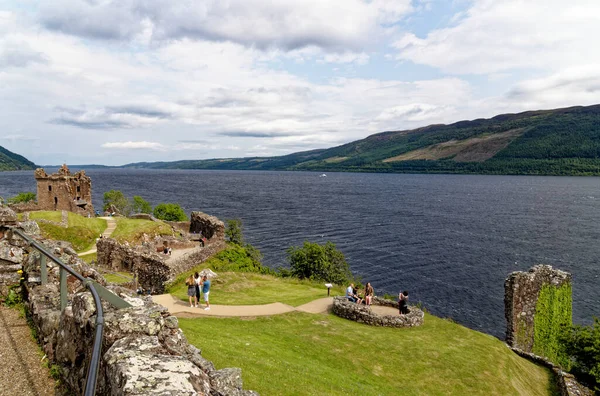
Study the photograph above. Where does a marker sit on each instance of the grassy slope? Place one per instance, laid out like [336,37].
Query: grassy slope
[238,285]
[81,231]
[132,230]
[13,161]
[304,354]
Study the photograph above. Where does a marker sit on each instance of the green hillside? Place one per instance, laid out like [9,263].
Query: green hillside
[12,161]
[549,142]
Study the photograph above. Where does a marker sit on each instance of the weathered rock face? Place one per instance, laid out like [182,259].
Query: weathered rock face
[151,270]
[8,217]
[521,293]
[210,226]
[363,314]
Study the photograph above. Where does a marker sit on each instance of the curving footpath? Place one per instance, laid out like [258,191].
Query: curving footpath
[111,225]
[322,305]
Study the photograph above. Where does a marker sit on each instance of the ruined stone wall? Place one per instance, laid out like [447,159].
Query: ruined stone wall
[151,271]
[363,314]
[143,353]
[64,191]
[210,226]
[540,297]
[195,257]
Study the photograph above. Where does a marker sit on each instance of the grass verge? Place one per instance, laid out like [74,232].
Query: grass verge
[132,230]
[81,231]
[305,354]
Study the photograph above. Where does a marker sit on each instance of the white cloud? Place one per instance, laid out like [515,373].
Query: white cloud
[334,24]
[133,145]
[495,36]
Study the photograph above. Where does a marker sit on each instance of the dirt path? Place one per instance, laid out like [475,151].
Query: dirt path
[177,254]
[110,227]
[21,370]
[181,308]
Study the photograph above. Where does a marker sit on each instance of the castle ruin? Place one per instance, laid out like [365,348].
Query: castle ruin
[64,191]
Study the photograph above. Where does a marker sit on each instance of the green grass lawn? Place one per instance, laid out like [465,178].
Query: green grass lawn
[306,354]
[132,230]
[81,231]
[118,277]
[88,258]
[247,288]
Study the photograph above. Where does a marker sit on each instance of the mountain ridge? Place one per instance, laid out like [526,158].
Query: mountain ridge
[12,161]
[563,141]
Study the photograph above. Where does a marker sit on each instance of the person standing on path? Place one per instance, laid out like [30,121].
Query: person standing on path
[197,283]
[403,302]
[369,294]
[191,292]
[206,291]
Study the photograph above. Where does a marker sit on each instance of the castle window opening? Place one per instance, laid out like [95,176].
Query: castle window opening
[49,188]
[78,189]
[55,200]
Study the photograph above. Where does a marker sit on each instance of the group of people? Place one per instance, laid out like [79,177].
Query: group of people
[354,295]
[195,284]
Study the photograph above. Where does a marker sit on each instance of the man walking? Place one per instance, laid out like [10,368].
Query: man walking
[206,290]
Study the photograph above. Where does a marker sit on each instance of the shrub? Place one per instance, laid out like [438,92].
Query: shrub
[169,212]
[22,197]
[320,263]
[582,345]
[233,231]
[140,205]
[118,200]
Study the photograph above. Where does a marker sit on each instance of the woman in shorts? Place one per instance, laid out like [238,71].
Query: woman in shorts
[191,292]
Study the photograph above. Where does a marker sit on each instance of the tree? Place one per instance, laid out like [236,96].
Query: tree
[118,200]
[582,344]
[319,262]
[140,205]
[22,198]
[233,231]
[169,212]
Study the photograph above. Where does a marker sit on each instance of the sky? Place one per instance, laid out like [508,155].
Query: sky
[119,81]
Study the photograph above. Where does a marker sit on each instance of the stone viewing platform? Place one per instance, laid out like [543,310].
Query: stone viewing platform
[374,316]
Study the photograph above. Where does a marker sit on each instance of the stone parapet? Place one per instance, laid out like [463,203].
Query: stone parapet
[363,314]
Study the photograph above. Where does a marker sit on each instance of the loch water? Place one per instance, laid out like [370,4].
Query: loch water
[450,240]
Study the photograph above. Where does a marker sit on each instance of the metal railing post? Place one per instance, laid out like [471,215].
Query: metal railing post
[43,269]
[63,289]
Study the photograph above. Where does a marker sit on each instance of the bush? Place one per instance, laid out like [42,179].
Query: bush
[320,263]
[22,197]
[140,205]
[118,200]
[169,212]
[582,345]
[233,231]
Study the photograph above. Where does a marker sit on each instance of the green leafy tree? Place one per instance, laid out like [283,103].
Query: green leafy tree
[319,262]
[169,212]
[118,200]
[582,345]
[140,205]
[22,198]
[233,231]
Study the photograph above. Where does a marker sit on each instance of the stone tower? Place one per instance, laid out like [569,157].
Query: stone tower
[537,304]
[64,191]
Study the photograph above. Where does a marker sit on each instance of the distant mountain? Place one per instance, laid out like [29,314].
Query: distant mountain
[12,161]
[545,142]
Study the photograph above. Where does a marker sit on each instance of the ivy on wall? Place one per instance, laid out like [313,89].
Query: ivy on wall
[553,311]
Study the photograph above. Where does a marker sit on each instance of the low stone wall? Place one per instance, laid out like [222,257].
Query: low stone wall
[567,383]
[151,270]
[210,226]
[195,257]
[363,314]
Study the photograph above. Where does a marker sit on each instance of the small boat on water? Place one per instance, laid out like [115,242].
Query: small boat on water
[323,175]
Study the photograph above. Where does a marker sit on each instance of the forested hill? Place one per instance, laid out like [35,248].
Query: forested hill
[547,142]
[12,161]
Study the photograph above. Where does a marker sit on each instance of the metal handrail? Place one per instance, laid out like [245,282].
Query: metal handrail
[92,375]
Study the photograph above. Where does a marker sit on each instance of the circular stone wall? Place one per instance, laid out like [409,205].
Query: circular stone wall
[364,314]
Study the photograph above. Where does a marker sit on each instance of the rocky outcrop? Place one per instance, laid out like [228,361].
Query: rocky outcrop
[363,314]
[521,293]
[209,226]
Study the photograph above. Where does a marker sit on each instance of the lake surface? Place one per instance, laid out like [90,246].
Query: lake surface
[450,240]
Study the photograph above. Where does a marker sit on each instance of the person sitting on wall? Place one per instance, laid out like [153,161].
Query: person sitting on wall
[403,302]
[350,295]
[359,299]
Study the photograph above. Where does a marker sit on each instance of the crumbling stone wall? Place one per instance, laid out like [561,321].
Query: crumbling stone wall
[209,226]
[523,308]
[64,191]
[192,259]
[363,314]
[150,268]
[144,352]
